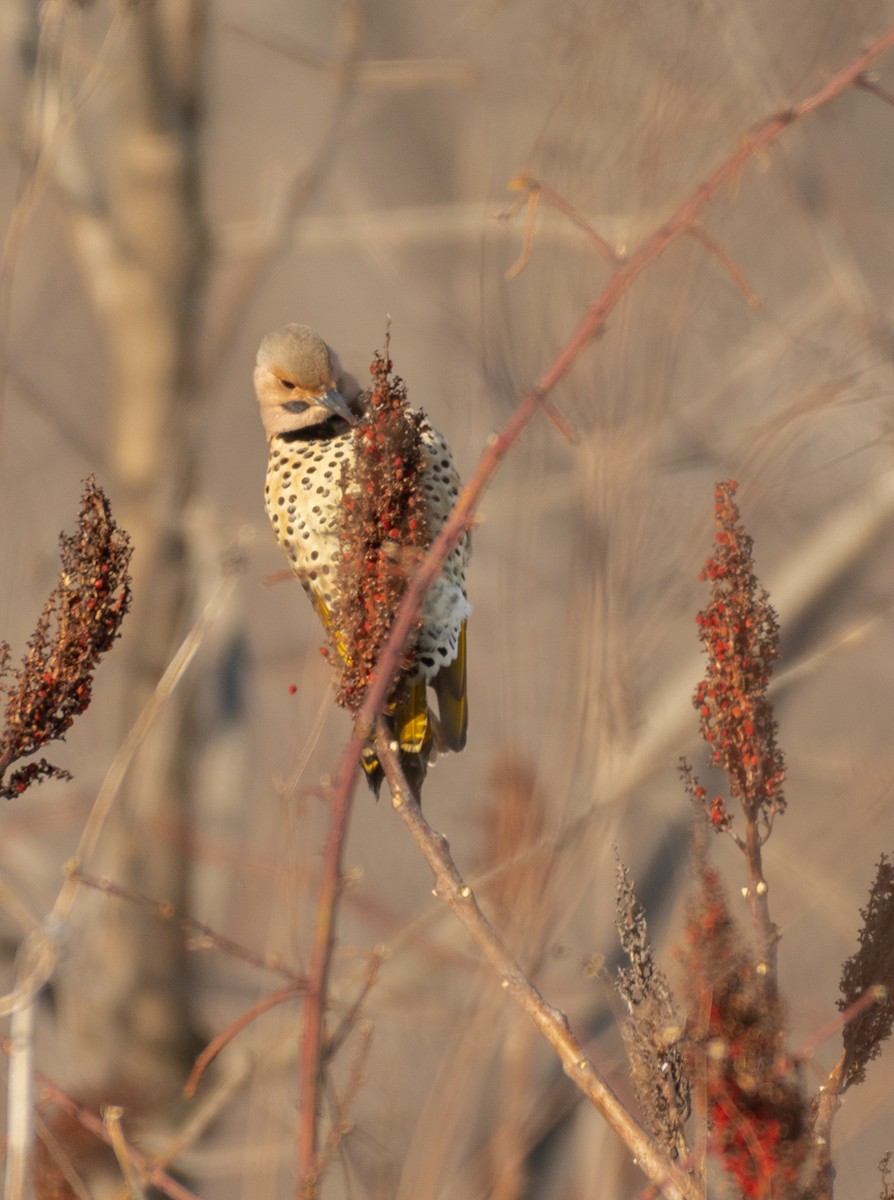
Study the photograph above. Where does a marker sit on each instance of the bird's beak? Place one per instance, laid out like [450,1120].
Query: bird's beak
[337,404]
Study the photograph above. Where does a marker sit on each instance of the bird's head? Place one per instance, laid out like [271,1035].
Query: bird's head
[299,382]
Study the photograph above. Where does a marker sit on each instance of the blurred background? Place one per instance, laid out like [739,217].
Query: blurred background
[179,178]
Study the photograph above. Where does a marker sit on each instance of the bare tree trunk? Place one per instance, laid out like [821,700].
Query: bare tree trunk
[143,249]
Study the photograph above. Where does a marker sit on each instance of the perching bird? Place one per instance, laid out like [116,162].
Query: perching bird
[308,408]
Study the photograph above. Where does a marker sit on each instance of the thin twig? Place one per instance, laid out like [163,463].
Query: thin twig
[530,204]
[349,1020]
[204,937]
[60,1158]
[552,1023]
[150,713]
[311,1056]
[535,190]
[206,1111]
[340,1124]
[111,1119]
[151,1174]
[298,190]
[732,268]
[49,121]
[873,995]
[391,74]
[20,1089]
[869,83]
[214,1047]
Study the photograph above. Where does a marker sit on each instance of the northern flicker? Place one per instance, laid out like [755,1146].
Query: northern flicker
[308,408]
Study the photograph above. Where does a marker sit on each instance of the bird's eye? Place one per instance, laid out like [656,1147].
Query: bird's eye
[287,383]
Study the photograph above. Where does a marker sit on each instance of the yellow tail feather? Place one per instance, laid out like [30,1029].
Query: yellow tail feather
[453,708]
[414,726]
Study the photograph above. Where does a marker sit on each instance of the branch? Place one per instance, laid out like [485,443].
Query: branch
[201,936]
[828,1104]
[501,442]
[151,1174]
[553,1024]
[311,1055]
[732,268]
[534,190]
[214,1047]
[450,886]
[828,1099]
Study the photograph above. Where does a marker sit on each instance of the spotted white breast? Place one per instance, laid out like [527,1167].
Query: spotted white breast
[303,498]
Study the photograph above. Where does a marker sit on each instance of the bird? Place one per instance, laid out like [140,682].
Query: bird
[309,408]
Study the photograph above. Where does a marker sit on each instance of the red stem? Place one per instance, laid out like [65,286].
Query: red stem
[214,1047]
[589,327]
[460,519]
[310,1055]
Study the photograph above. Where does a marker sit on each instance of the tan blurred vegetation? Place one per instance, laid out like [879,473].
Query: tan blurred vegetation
[181,177]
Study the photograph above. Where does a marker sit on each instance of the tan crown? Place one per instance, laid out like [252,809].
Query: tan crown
[299,381]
